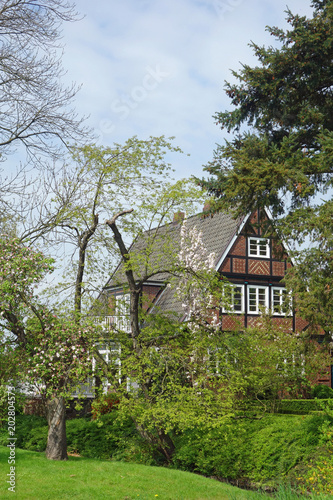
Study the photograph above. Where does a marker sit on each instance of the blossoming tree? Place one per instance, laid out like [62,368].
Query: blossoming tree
[55,353]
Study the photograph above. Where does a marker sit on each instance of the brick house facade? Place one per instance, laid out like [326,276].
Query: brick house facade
[247,254]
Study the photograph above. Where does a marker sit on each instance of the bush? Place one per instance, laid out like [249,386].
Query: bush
[104,404]
[19,402]
[322,392]
[298,406]
[102,439]
[110,437]
[30,432]
[251,451]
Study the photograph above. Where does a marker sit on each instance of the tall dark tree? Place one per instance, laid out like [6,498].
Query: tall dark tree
[281,154]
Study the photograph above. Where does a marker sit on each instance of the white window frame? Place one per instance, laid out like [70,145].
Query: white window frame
[122,312]
[282,293]
[231,309]
[105,352]
[259,247]
[259,290]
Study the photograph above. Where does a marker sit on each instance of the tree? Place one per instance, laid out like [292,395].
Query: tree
[54,353]
[58,358]
[37,118]
[283,159]
[101,179]
[34,106]
[95,182]
[164,362]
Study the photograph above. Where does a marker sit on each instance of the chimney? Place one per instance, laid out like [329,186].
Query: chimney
[207,206]
[209,209]
[178,217]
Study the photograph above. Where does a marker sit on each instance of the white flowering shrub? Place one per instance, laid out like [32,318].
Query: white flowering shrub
[198,286]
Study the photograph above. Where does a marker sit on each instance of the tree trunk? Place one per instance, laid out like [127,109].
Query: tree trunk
[56,448]
[167,447]
[160,440]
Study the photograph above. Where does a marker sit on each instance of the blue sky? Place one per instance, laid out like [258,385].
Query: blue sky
[153,67]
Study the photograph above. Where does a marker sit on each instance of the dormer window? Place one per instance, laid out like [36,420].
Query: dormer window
[259,247]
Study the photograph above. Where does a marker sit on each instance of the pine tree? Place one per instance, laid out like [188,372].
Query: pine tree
[282,150]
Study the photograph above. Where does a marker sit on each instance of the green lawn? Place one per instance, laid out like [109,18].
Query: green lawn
[81,478]
[85,478]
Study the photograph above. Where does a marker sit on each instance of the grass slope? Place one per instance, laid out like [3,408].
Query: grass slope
[82,478]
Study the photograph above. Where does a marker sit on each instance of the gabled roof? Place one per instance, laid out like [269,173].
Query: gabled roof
[219,233]
[160,245]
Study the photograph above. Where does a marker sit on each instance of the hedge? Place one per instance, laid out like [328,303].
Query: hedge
[108,438]
[303,406]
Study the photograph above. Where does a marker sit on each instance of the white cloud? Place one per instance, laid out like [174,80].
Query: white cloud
[158,67]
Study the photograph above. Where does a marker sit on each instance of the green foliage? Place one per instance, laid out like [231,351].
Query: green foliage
[322,392]
[316,473]
[19,402]
[10,361]
[109,437]
[101,182]
[284,159]
[60,357]
[52,352]
[198,378]
[105,403]
[274,362]
[256,451]
[106,438]
[286,101]
[318,477]
[297,406]
[30,432]
[21,269]
[311,279]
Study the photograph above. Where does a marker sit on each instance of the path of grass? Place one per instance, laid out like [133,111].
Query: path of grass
[80,478]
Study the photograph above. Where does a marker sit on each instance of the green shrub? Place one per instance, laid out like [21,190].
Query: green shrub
[297,406]
[109,437]
[18,404]
[30,433]
[104,404]
[215,452]
[98,439]
[322,392]
[291,406]
[257,451]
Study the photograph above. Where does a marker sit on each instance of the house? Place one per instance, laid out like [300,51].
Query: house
[246,253]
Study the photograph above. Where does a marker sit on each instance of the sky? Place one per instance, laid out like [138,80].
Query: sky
[158,67]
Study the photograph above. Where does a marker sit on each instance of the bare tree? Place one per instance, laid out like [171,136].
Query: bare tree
[35,108]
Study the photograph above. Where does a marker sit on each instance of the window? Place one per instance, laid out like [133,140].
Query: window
[122,316]
[235,296]
[257,298]
[259,247]
[111,355]
[280,302]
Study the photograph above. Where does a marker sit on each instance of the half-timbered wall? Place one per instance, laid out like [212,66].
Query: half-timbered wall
[257,264]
